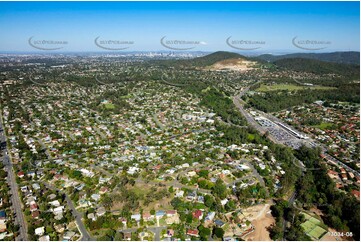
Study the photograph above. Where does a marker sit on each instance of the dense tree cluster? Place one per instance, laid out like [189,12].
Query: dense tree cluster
[318,67]
[201,61]
[222,105]
[346,57]
[316,188]
[283,212]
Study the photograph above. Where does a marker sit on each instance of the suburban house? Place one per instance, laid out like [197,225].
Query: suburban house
[39,231]
[210,216]
[198,214]
[192,232]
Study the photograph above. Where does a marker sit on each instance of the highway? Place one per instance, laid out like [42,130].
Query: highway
[238,102]
[15,198]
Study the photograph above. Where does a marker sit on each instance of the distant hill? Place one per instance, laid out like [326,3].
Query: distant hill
[203,61]
[234,64]
[317,66]
[215,57]
[347,57]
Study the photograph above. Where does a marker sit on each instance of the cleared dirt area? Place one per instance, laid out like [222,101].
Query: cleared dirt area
[233,65]
[329,237]
[316,211]
[261,218]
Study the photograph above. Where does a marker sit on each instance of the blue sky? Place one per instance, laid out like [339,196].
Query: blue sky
[275,24]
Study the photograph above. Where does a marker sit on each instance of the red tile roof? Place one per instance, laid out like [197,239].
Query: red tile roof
[198,213]
[193,232]
[356,193]
[171,212]
[35,214]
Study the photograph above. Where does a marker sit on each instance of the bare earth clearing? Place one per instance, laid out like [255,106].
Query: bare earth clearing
[261,219]
[329,237]
[233,65]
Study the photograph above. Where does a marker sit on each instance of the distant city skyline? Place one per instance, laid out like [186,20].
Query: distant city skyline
[243,27]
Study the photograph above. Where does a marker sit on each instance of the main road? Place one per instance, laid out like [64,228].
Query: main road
[15,198]
[18,205]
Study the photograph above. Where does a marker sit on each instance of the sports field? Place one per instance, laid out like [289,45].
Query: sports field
[307,226]
[315,221]
[312,227]
[317,232]
[307,217]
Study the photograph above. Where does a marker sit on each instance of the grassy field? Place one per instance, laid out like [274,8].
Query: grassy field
[250,137]
[109,106]
[289,87]
[126,96]
[324,126]
[226,226]
[307,217]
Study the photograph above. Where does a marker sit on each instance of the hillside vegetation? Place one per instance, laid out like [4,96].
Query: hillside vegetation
[343,57]
[318,67]
[203,61]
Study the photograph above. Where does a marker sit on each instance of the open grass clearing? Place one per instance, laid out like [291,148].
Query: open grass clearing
[289,87]
[324,126]
[109,105]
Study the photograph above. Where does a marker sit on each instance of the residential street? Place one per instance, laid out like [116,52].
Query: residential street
[155,229]
[85,236]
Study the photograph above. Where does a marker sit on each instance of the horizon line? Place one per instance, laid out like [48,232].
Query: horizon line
[170,51]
